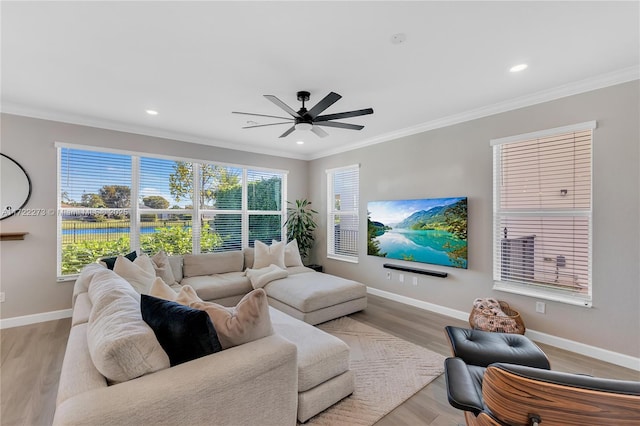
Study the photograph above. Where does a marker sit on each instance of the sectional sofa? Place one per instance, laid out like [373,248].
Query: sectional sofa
[115,371]
[305,294]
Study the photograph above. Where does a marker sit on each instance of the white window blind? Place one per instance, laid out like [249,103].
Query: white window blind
[542,214]
[165,206]
[112,202]
[343,201]
[264,202]
[94,207]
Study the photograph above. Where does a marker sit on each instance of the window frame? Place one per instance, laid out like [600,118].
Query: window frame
[332,213]
[135,211]
[541,290]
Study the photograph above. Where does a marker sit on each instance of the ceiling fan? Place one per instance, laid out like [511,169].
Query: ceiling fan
[311,119]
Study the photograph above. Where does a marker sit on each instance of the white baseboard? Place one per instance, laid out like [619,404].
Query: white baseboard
[34,318]
[616,358]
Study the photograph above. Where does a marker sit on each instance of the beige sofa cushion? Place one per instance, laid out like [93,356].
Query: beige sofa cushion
[196,265]
[78,374]
[219,286]
[261,277]
[246,322]
[176,262]
[139,273]
[311,291]
[84,279]
[121,344]
[321,356]
[265,255]
[249,253]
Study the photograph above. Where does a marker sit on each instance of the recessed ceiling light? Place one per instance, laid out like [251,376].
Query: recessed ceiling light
[398,38]
[152,112]
[518,68]
[300,142]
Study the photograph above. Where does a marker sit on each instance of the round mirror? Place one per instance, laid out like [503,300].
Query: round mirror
[15,186]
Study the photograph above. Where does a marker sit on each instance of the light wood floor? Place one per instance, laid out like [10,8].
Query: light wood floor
[31,358]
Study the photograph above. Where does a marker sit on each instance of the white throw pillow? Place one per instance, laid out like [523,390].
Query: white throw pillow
[265,255]
[291,254]
[261,277]
[163,267]
[185,296]
[139,273]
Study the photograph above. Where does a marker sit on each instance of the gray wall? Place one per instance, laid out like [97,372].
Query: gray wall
[457,161]
[28,268]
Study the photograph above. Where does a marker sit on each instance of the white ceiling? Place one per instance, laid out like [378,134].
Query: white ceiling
[105,63]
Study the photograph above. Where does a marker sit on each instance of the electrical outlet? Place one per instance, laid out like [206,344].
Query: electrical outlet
[401,278]
[540,307]
[1,296]
[415,281]
[388,275]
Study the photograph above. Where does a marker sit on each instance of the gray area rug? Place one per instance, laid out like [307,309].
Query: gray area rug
[388,371]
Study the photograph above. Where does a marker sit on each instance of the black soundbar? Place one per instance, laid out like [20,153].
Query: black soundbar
[416,271]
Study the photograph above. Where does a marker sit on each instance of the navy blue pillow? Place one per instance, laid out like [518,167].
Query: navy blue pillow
[184,333]
[111,261]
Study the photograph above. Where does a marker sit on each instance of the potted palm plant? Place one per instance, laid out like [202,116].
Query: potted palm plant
[300,225]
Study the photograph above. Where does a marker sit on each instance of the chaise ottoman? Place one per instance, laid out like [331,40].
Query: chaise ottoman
[314,297]
[324,377]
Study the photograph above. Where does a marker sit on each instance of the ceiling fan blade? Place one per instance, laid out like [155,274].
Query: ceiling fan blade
[338,125]
[325,103]
[260,115]
[263,125]
[348,114]
[288,132]
[319,132]
[282,105]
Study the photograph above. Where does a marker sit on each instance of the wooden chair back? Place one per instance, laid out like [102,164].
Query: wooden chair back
[512,398]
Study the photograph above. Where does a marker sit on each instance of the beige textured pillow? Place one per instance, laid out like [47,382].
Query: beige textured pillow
[161,290]
[122,346]
[163,267]
[185,296]
[292,254]
[265,255]
[247,322]
[196,265]
[261,277]
[139,273]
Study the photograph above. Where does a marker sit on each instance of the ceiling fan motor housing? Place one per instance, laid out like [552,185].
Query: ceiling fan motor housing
[303,96]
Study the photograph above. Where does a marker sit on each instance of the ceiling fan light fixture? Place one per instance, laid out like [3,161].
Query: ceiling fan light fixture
[303,126]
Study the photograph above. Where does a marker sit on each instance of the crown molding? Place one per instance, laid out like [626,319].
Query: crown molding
[604,80]
[26,111]
[601,81]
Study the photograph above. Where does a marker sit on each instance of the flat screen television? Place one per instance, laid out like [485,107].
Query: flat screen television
[428,230]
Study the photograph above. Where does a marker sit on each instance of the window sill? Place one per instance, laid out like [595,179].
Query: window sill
[348,259]
[544,293]
[67,278]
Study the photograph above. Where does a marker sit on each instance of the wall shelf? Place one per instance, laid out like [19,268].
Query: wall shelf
[12,236]
[415,270]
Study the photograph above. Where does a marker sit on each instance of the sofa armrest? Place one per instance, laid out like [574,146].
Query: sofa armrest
[243,384]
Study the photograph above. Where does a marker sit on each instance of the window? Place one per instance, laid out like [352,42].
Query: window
[542,214]
[113,202]
[343,187]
